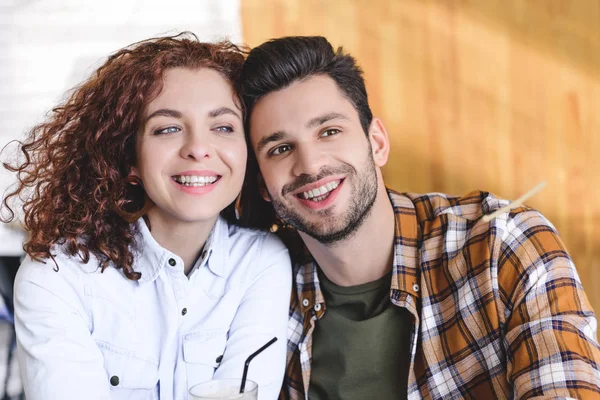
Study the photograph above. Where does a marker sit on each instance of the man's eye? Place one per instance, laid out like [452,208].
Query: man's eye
[280,150]
[330,132]
[224,129]
[167,130]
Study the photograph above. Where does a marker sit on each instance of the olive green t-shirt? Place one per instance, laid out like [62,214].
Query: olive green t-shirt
[361,345]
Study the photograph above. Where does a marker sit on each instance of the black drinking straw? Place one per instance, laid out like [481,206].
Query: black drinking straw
[243,385]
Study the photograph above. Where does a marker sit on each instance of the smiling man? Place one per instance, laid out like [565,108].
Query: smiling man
[403,295]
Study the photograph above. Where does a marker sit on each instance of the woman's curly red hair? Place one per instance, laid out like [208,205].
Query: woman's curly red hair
[72,178]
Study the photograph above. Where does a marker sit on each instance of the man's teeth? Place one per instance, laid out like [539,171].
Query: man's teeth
[320,193]
[193,180]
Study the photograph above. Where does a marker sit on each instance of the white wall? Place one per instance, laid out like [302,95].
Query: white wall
[48,46]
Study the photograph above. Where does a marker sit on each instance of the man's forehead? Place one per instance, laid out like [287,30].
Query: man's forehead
[304,104]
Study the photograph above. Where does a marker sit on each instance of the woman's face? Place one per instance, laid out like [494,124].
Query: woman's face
[191,147]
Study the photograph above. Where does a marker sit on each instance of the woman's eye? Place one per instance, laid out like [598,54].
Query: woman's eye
[280,150]
[167,130]
[224,129]
[330,132]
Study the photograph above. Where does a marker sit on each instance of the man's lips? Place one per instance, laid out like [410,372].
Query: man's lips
[319,190]
[321,197]
[317,185]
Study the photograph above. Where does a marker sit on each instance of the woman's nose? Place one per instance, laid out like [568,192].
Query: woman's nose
[196,146]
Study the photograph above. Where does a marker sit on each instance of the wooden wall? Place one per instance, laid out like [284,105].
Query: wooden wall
[476,94]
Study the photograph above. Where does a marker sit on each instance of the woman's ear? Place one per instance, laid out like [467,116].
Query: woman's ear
[380,143]
[133,171]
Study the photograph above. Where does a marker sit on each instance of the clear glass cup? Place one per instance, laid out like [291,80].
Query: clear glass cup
[224,389]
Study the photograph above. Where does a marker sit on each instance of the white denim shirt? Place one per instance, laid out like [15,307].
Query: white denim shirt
[83,334]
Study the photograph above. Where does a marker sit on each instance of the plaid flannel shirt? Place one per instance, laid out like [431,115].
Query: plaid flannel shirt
[499,310]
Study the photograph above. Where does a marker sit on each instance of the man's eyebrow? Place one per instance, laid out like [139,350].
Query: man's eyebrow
[320,120]
[262,143]
[165,112]
[223,111]
[314,122]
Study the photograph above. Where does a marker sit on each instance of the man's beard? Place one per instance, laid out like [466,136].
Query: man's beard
[327,231]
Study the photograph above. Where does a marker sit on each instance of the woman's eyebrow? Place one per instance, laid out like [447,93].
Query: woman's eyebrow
[223,111]
[165,112]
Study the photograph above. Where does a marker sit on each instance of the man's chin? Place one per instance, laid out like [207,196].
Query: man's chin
[331,238]
[323,226]
[332,229]
[324,233]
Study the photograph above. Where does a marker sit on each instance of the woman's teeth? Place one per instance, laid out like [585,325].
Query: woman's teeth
[320,193]
[192,180]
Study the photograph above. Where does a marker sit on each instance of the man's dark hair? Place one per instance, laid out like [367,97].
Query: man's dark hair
[278,63]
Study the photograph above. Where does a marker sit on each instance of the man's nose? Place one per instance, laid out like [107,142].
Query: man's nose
[308,161]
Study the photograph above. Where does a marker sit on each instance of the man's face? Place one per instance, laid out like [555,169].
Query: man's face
[315,158]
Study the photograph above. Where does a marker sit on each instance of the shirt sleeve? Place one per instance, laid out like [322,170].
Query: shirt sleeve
[262,315]
[551,345]
[57,355]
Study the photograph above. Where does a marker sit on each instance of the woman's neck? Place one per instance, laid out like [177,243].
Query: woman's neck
[186,239]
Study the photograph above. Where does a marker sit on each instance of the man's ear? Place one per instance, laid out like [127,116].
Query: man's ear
[380,143]
[262,188]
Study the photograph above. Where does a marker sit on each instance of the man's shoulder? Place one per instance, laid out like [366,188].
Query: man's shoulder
[465,213]
[429,206]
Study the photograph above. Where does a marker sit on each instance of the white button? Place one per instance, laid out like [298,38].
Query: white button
[305,302]
[318,307]
[416,287]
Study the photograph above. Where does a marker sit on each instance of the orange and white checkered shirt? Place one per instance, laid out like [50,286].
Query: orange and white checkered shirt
[498,308]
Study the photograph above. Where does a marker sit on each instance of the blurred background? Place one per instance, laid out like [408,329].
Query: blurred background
[476,94]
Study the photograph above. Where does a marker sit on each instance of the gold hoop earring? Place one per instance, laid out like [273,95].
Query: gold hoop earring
[120,204]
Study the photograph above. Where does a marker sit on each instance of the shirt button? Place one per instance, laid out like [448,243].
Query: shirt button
[318,307]
[416,287]
[114,380]
[172,262]
[184,311]
[305,302]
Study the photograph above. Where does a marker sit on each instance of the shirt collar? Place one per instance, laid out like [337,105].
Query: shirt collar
[217,249]
[405,275]
[150,257]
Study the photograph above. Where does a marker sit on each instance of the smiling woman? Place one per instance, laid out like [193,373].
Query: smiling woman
[136,271]
[191,153]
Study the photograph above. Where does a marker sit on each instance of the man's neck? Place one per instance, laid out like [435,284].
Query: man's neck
[184,239]
[365,256]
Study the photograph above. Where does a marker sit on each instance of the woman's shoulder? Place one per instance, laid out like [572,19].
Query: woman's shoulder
[61,266]
[262,247]
[255,238]
[52,281]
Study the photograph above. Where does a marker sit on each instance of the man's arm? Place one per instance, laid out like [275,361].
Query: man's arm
[551,345]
